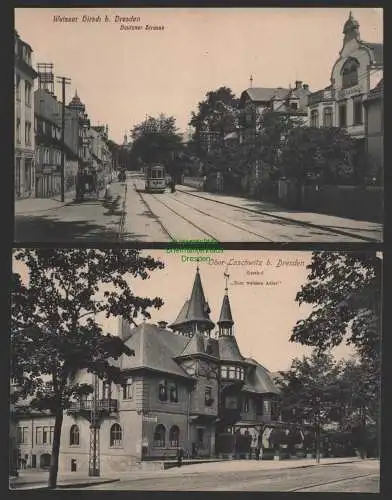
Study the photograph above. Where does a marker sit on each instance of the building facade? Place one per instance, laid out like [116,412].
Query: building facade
[374,127]
[24,74]
[357,71]
[186,387]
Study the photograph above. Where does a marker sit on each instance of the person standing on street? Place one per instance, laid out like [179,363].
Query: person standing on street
[180,454]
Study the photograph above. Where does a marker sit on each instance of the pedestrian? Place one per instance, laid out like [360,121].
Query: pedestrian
[108,191]
[173,186]
[180,454]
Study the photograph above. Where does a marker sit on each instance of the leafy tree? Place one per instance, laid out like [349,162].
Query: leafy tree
[216,114]
[54,331]
[156,140]
[318,153]
[345,290]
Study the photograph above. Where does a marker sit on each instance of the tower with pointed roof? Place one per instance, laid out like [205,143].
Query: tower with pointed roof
[351,29]
[194,315]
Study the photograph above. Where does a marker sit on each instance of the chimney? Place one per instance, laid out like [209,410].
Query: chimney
[162,324]
[298,84]
[306,86]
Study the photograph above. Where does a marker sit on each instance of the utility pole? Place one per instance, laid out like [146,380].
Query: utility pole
[64,81]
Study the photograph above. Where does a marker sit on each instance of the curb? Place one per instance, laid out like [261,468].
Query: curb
[280,217]
[61,204]
[84,484]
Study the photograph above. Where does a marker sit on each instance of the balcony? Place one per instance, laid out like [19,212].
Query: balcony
[102,405]
[321,96]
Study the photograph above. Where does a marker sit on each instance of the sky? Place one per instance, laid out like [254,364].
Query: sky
[124,75]
[264,315]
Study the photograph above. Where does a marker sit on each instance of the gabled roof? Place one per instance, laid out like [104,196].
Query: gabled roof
[263,381]
[263,94]
[377,51]
[154,349]
[200,344]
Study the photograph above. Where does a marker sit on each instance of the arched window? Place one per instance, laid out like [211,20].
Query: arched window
[74,435]
[159,436]
[115,435]
[314,118]
[327,119]
[174,437]
[350,73]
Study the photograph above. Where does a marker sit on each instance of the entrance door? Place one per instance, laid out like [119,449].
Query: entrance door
[33,461]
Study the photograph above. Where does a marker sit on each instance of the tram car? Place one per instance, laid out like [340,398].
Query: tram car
[155,179]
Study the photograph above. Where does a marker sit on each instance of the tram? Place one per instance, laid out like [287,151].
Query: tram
[155,179]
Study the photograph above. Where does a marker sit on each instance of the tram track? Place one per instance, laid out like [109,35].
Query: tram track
[162,226]
[196,226]
[333,481]
[287,219]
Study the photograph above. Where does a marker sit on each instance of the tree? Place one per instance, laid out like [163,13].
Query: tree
[156,140]
[216,115]
[54,330]
[318,153]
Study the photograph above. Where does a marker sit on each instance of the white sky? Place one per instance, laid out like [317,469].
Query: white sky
[123,75]
[264,315]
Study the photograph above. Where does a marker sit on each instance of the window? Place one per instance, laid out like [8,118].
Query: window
[294,105]
[44,435]
[28,94]
[314,118]
[259,407]
[245,405]
[17,176]
[115,435]
[53,131]
[200,436]
[74,435]
[343,115]
[28,133]
[327,120]
[128,389]
[357,111]
[173,392]
[22,435]
[18,134]
[46,157]
[350,73]
[275,409]
[162,390]
[174,437]
[43,127]
[267,406]
[232,371]
[35,124]
[106,386]
[159,439]
[17,87]
[224,372]
[208,396]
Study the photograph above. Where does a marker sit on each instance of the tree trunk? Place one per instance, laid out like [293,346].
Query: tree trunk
[54,464]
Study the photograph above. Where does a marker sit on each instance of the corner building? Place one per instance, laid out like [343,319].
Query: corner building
[186,387]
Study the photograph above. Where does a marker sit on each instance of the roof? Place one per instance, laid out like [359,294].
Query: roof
[265,95]
[263,381]
[377,50]
[154,349]
[377,92]
[199,344]
[228,349]
[225,314]
[196,309]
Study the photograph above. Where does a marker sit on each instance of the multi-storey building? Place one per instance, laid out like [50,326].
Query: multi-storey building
[374,126]
[357,71]
[186,387]
[100,153]
[84,150]
[24,75]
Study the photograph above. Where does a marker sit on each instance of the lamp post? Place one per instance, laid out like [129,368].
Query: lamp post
[317,423]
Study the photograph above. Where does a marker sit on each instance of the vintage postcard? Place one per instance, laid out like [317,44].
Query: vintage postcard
[219,124]
[210,371]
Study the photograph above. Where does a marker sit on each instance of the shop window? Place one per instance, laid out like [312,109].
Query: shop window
[115,436]
[128,389]
[174,437]
[162,390]
[74,435]
[159,439]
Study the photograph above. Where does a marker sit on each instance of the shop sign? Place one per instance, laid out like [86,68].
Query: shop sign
[150,419]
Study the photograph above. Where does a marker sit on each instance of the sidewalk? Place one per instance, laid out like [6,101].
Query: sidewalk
[34,205]
[38,479]
[370,230]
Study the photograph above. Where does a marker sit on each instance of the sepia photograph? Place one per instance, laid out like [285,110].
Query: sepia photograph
[221,124]
[196,371]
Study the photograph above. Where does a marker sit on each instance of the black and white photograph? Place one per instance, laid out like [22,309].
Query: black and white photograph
[177,370]
[221,124]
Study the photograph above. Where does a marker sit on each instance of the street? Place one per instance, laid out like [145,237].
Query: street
[257,476]
[186,214]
